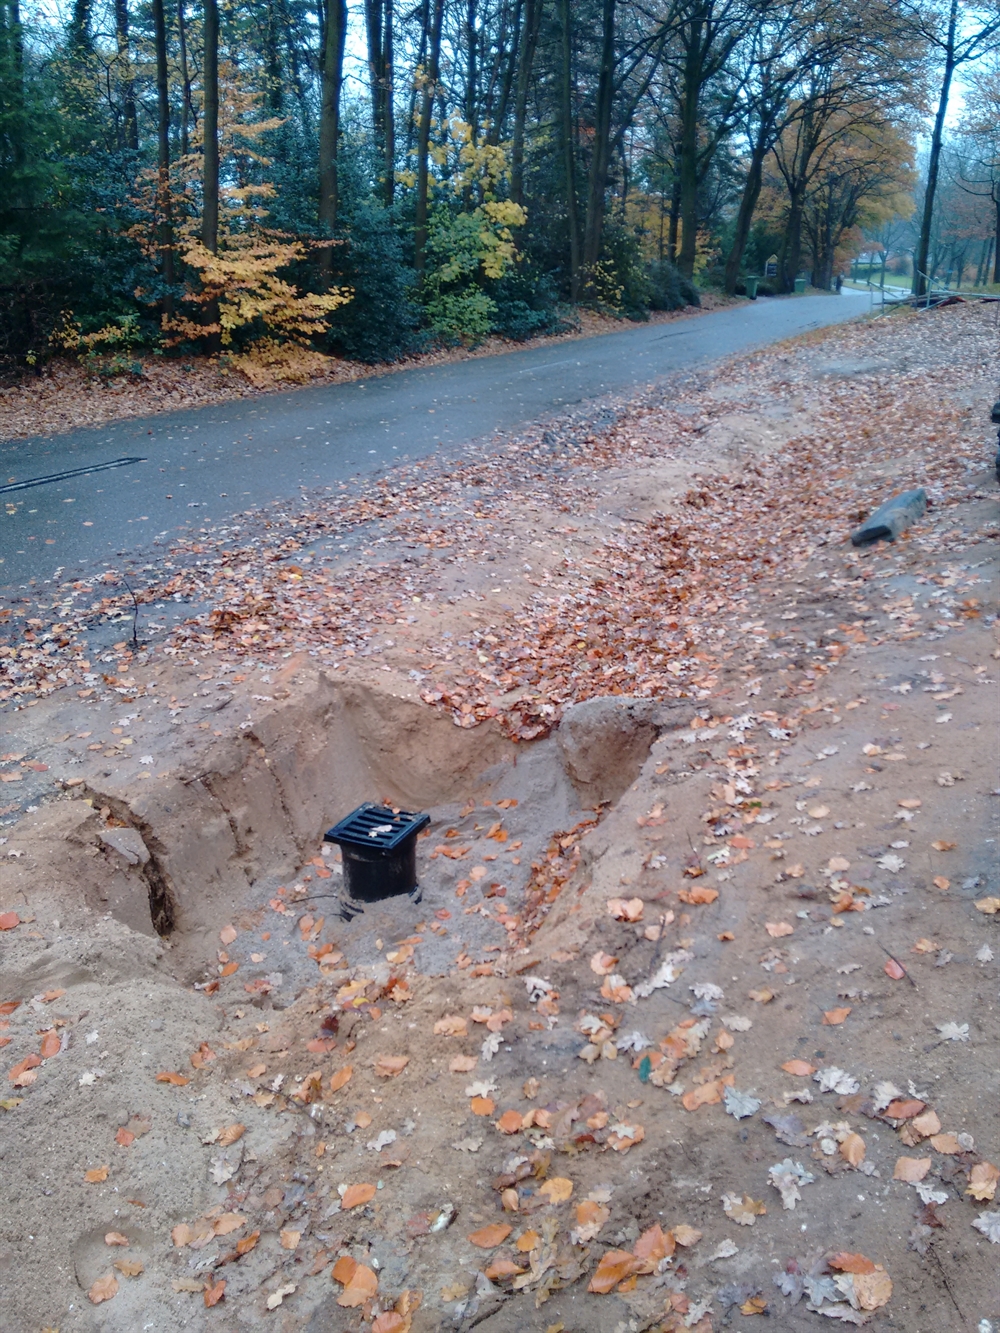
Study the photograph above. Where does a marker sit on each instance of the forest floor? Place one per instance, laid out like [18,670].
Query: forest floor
[692,1023]
[67,394]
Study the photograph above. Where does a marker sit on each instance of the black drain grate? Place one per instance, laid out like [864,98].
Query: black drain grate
[376,827]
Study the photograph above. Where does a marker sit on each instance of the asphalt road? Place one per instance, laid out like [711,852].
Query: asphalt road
[197,467]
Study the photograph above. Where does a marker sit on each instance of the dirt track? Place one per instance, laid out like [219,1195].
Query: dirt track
[809,768]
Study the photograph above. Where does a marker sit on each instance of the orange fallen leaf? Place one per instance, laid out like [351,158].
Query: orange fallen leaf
[344,1269]
[130,1267]
[356,1195]
[945,1143]
[926,1124]
[685,1235]
[489,1237]
[228,934]
[925,946]
[289,1240]
[557,1189]
[653,1245]
[942,882]
[229,969]
[799,1068]
[115,1238]
[510,1122]
[911,1169]
[614,1267]
[463,1064]
[341,1078]
[247,1243]
[230,1134]
[852,1149]
[227,1222]
[178,1080]
[9,1006]
[761,996]
[484,1106]
[362,1287]
[214,1292]
[699,894]
[527,1241]
[451,1025]
[96,1175]
[834,1017]
[778,928]
[391,1066]
[846,1262]
[625,909]
[983,1180]
[603,963]
[940,845]
[894,970]
[103,1289]
[8,920]
[181,1235]
[707,1095]
[501,1268]
[50,1044]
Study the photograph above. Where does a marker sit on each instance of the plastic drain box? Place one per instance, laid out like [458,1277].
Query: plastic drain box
[379,847]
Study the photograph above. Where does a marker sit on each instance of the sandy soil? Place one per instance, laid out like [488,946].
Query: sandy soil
[773,847]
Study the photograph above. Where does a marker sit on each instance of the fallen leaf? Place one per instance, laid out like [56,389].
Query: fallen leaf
[707,1095]
[124,1137]
[818,811]
[852,1149]
[941,882]
[602,963]
[926,1124]
[845,1262]
[744,1211]
[988,905]
[699,894]
[499,1269]
[290,1239]
[894,970]
[187,1284]
[50,1044]
[947,1144]
[834,1017]
[983,1181]
[925,946]
[462,1064]
[911,1169]
[130,1267]
[230,1134]
[247,1243]
[8,920]
[96,1175]
[391,1066]
[940,845]
[527,1241]
[214,1292]
[452,1025]
[178,1080]
[115,1238]
[356,1195]
[343,1270]
[362,1287]
[778,928]
[485,1106]
[181,1235]
[489,1237]
[763,996]
[276,1297]
[685,1235]
[872,1290]
[557,1189]
[103,1289]
[510,1122]
[799,1068]
[341,1078]
[625,909]
[226,1223]
[228,934]
[614,1267]
[624,1137]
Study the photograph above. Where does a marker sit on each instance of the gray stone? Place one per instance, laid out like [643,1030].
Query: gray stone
[890,519]
[128,842]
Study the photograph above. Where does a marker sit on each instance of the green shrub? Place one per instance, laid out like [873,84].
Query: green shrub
[668,289]
[381,321]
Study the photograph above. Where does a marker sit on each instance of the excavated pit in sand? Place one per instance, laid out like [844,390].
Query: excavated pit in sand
[244,814]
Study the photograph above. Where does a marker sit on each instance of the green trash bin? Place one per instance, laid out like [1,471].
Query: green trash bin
[800,286]
[752,287]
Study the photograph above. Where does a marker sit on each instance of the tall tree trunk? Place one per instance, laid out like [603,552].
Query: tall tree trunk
[389,192]
[329,121]
[601,153]
[210,151]
[272,60]
[744,218]
[675,215]
[689,147]
[996,236]
[791,245]
[569,148]
[163,201]
[933,165]
[526,59]
[378,23]
[431,76]
[472,73]
[188,116]
[129,115]
[79,26]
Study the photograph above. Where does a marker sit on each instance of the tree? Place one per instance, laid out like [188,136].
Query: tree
[334,37]
[956,33]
